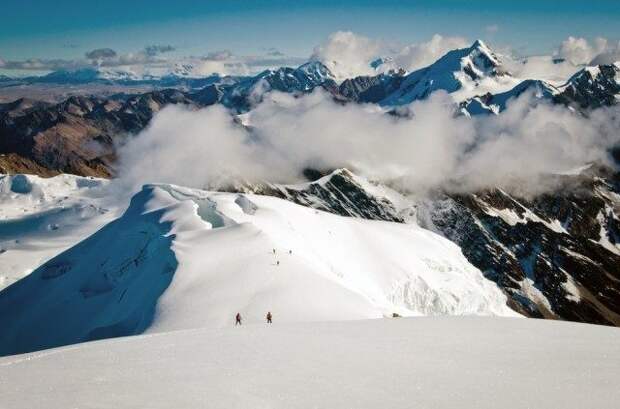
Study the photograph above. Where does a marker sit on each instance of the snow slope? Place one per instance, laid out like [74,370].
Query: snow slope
[464,73]
[447,362]
[181,258]
[41,217]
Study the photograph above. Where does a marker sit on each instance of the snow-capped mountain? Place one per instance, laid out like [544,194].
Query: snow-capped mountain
[555,256]
[474,76]
[458,69]
[379,64]
[372,252]
[89,75]
[247,92]
[180,75]
[366,89]
[593,87]
[176,251]
[496,103]
[589,88]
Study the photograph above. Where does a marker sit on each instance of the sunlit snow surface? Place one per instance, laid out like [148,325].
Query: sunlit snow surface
[181,258]
[439,362]
[40,217]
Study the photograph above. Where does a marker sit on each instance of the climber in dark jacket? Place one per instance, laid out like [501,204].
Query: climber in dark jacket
[269,317]
[238,319]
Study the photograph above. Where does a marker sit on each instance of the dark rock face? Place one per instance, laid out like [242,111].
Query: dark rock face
[589,88]
[79,135]
[592,87]
[244,94]
[339,192]
[554,254]
[374,89]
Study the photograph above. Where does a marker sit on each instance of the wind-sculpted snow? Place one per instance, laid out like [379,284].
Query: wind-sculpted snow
[181,258]
[442,363]
[105,286]
[40,218]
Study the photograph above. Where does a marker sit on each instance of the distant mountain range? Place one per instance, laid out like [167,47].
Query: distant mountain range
[475,76]
[50,138]
[553,255]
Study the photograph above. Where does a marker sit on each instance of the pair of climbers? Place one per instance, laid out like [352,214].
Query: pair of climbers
[238,318]
[289,252]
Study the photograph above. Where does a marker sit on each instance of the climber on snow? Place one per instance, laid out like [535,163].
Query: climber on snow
[269,317]
[238,319]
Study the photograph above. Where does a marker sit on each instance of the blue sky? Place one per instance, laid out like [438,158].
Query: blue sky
[69,28]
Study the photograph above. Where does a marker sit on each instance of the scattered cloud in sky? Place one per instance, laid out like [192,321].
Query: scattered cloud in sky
[40,65]
[101,54]
[348,54]
[609,52]
[274,52]
[580,51]
[492,29]
[544,67]
[572,54]
[155,49]
[414,56]
[155,59]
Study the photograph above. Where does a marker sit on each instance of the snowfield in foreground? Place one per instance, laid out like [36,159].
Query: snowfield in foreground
[181,258]
[438,362]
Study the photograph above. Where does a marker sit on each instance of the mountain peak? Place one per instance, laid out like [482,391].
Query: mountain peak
[479,44]
[479,49]
[316,70]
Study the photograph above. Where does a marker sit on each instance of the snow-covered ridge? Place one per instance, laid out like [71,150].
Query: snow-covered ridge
[181,258]
[459,70]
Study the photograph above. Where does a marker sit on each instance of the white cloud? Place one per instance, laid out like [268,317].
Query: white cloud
[570,57]
[432,149]
[419,55]
[348,54]
[544,67]
[609,56]
[580,51]
[156,60]
[492,29]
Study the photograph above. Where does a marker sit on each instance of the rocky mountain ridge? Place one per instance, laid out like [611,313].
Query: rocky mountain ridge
[555,255]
